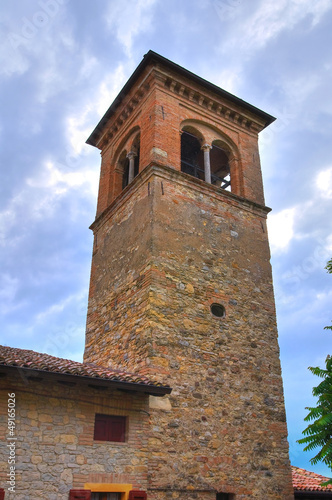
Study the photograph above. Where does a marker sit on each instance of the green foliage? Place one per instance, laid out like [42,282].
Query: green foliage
[328,268]
[318,434]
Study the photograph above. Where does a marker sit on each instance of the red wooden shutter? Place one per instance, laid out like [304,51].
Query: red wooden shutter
[137,495]
[101,428]
[117,429]
[79,495]
[110,428]
[2,494]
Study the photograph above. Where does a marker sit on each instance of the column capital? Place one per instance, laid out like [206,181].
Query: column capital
[131,155]
[206,147]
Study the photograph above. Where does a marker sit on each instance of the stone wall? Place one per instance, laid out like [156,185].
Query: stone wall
[55,449]
[190,245]
[167,248]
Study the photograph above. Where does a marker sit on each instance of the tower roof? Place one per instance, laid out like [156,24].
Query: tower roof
[153,58]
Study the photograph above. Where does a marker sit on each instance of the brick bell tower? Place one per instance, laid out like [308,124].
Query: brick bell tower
[181,284]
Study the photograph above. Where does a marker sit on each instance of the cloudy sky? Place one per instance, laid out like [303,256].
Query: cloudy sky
[62,62]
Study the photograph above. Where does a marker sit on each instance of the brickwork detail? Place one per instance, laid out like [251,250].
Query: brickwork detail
[161,113]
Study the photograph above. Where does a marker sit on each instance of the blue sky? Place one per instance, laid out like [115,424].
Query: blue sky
[62,62]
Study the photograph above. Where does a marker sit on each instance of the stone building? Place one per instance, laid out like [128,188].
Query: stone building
[180,297]
[57,436]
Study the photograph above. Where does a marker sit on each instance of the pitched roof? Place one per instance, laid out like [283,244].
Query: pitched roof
[304,480]
[32,361]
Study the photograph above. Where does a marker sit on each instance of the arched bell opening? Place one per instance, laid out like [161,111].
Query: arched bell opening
[129,162]
[135,148]
[220,167]
[192,158]
[123,166]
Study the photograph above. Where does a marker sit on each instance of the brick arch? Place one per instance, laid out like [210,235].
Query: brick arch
[193,130]
[213,136]
[210,133]
[127,142]
[135,143]
[220,157]
[234,160]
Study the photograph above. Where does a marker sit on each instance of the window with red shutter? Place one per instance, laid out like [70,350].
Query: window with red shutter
[110,428]
[2,494]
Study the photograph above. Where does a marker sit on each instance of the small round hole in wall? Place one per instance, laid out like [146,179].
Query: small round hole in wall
[218,310]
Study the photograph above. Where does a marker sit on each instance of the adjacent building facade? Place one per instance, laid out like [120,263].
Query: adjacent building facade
[181,296]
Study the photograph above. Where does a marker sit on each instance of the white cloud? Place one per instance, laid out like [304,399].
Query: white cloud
[8,219]
[291,222]
[324,183]
[281,228]
[89,65]
[54,76]
[29,32]
[40,198]
[12,62]
[57,308]
[8,290]
[272,17]
[78,129]
[60,182]
[129,19]
[228,79]
[109,88]
[80,124]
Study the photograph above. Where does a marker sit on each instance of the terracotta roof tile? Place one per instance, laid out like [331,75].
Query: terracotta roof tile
[304,480]
[22,358]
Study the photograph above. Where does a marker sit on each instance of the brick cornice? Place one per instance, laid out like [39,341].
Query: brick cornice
[208,102]
[119,114]
[169,173]
[184,83]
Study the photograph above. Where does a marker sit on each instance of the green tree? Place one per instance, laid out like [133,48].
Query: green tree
[328,268]
[318,434]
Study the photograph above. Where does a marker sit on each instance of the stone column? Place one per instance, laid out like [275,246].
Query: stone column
[131,156]
[207,168]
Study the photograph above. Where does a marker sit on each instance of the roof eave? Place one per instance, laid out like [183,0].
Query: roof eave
[27,373]
[316,493]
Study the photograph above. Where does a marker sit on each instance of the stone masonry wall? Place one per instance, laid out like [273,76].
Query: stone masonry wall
[55,450]
[223,427]
[120,283]
[166,249]
[226,429]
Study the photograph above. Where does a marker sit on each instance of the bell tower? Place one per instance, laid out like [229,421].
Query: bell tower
[181,284]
